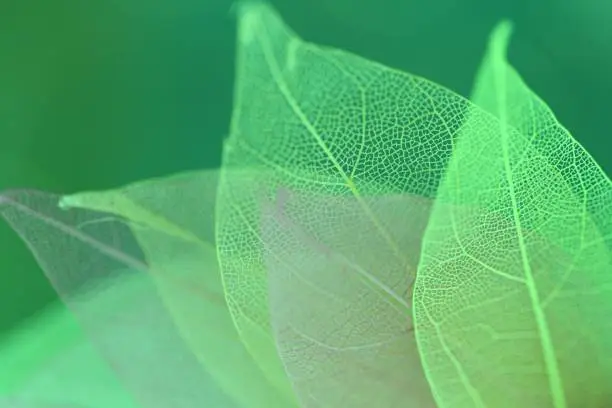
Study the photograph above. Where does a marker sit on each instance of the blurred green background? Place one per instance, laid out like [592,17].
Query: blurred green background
[99,93]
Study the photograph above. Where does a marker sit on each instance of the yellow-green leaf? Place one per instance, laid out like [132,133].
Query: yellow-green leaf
[513,296]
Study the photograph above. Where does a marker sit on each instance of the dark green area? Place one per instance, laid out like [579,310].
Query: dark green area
[99,93]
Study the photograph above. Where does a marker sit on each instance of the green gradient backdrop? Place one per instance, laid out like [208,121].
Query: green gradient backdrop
[99,93]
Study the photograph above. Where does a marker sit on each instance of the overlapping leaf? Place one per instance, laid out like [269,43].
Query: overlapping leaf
[513,294]
[326,189]
[330,126]
[326,124]
[162,229]
[339,299]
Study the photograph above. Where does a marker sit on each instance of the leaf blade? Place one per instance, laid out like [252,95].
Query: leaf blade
[551,206]
[170,226]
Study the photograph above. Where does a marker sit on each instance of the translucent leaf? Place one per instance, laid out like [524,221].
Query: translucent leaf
[326,187]
[325,123]
[339,299]
[513,295]
[161,229]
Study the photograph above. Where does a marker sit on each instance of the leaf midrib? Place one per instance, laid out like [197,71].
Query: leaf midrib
[283,88]
[546,342]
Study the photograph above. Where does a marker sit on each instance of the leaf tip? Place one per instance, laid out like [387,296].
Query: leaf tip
[66,202]
[248,14]
[79,200]
[500,37]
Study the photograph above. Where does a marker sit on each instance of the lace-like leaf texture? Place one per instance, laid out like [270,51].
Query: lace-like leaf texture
[341,157]
[182,348]
[324,123]
[513,296]
[320,122]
